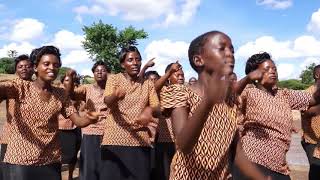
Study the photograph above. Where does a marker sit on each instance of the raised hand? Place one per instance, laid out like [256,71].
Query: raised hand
[150,63]
[93,116]
[119,93]
[145,117]
[175,67]
[256,75]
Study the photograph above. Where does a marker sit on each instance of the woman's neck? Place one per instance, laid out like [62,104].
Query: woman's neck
[43,85]
[268,89]
[131,78]
[101,84]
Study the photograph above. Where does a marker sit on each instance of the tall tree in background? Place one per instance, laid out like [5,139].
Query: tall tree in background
[307,74]
[104,42]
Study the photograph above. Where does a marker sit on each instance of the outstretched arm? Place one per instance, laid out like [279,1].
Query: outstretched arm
[149,64]
[163,79]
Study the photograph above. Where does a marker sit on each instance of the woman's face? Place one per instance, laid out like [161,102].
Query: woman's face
[132,64]
[48,68]
[218,54]
[177,77]
[270,76]
[153,77]
[100,73]
[24,69]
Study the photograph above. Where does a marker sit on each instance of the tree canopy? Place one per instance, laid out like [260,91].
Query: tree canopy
[307,74]
[104,42]
[7,65]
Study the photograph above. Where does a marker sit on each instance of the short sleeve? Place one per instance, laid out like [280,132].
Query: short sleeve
[111,83]
[80,93]
[298,100]
[10,88]
[173,96]
[153,97]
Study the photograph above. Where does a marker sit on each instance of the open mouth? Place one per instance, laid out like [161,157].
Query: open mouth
[51,74]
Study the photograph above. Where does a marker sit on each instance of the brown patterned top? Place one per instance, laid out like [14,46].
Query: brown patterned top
[93,96]
[311,128]
[120,129]
[210,157]
[165,131]
[268,124]
[33,136]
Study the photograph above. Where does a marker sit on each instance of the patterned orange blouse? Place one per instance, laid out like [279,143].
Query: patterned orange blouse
[33,136]
[210,157]
[165,131]
[120,126]
[311,128]
[93,96]
[268,124]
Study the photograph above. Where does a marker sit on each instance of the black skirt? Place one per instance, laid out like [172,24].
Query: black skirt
[70,141]
[90,157]
[163,157]
[238,175]
[20,172]
[2,164]
[125,163]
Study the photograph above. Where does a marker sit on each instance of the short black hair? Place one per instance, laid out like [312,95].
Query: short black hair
[196,46]
[22,57]
[149,73]
[314,70]
[100,63]
[125,50]
[255,60]
[37,53]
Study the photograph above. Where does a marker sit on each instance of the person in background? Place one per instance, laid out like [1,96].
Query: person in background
[92,94]
[311,131]
[24,70]
[133,104]
[192,81]
[33,150]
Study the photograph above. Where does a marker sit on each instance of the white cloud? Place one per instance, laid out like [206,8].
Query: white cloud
[285,71]
[173,12]
[21,48]
[166,51]
[309,61]
[67,40]
[314,24]
[27,29]
[275,4]
[187,11]
[86,72]
[75,57]
[307,46]
[278,49]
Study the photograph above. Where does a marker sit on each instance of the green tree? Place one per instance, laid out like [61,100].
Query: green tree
[62,71]
[7,65]
[307,74]
[104,42]
[293,84]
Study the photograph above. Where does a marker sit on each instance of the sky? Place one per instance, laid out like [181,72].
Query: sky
[287,29]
